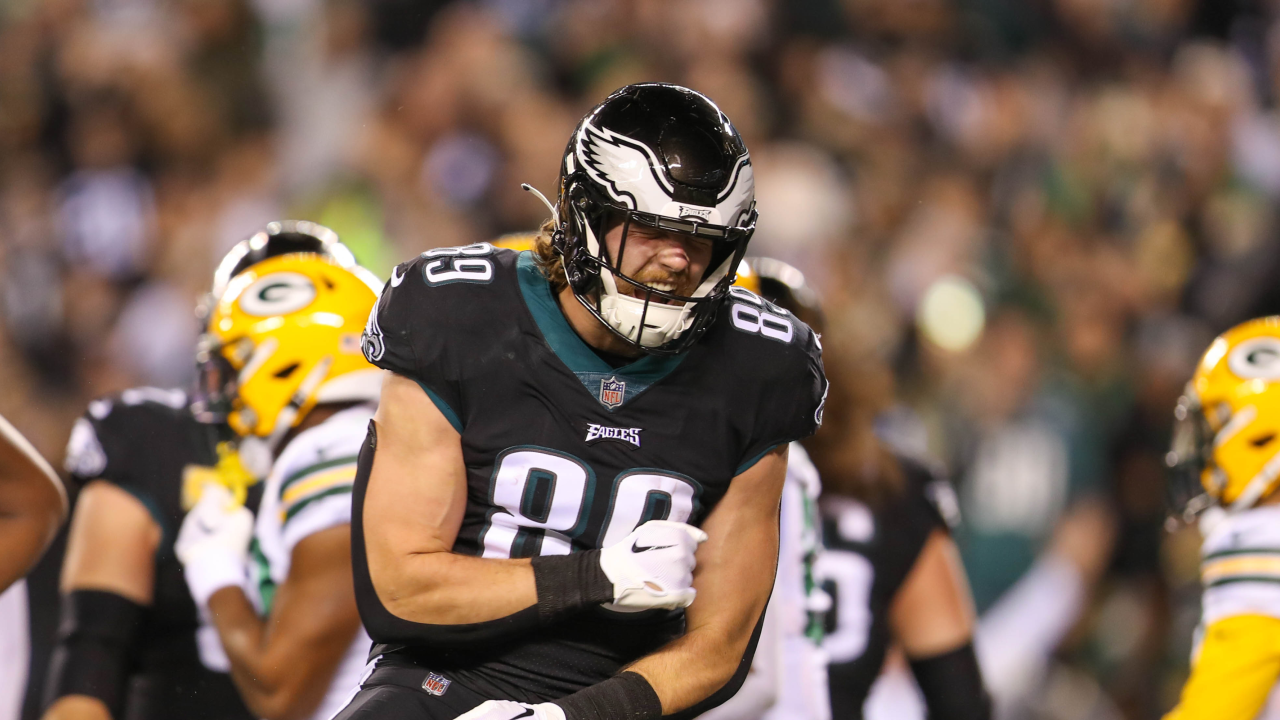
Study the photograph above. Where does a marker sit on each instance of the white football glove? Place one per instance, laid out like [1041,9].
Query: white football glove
[653,566]
[510,710]
[213,544]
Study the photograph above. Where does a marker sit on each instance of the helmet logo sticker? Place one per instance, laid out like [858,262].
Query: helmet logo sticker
[624,167]
[1256,359]
[277,294]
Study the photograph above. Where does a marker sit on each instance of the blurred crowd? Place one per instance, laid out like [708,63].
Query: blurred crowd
[1026,219]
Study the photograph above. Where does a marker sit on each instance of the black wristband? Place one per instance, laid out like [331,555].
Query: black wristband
[952,685]
[625,696]
[95,647]
[568,583]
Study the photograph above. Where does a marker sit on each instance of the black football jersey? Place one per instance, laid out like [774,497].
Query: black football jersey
[565,453]
[869,551]
[142,441]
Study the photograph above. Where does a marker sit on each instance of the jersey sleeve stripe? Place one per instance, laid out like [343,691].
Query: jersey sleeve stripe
[1242,551]
[1241,566]
[298,507]
[345,474]
[317,467]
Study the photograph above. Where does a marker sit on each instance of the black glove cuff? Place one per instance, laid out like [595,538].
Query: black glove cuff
[568,583]
[625,696]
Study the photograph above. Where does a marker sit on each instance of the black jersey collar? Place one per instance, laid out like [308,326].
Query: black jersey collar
[590,368]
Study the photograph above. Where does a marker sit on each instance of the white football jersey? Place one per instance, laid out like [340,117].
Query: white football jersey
[1240,565]
[309,490]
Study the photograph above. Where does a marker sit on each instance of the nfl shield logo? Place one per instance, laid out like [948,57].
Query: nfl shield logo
[435,684]
[611,391]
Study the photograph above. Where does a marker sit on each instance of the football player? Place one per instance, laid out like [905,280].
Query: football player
[1225,464]
[563,430]
[286,332]
[131,644]
[890,564]
[33,504]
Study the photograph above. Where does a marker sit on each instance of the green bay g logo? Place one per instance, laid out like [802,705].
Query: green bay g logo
[277,294]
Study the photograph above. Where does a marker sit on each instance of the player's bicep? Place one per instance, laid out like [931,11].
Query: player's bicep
[932,612]
[111,545]
[736,564]
[417,485]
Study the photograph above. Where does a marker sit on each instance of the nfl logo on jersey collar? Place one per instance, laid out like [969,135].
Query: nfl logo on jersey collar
[612,391]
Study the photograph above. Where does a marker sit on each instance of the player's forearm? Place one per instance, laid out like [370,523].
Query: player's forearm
[264,682]
[449,589]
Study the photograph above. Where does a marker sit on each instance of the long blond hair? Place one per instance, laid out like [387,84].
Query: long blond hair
[549,260]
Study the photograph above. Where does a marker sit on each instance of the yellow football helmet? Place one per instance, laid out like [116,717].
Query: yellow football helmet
[517,241]
[747,278]
[1226,439]
[287,332]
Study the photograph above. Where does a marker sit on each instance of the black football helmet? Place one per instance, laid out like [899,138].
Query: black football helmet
[666,157]
[211,401]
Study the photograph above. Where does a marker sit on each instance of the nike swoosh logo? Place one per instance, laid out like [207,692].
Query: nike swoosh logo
[396,277]
[527,712]
[637,548]
[200,523]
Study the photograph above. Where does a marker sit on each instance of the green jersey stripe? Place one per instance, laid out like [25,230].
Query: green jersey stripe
[300,504]
[1245,578]
[1241,551]
[313,469]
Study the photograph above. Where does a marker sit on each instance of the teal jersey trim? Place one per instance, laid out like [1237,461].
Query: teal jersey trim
[153,509]
[443,407]
[591,370]
[751,463]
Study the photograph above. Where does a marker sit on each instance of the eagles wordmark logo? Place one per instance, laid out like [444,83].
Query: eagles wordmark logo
[597,433]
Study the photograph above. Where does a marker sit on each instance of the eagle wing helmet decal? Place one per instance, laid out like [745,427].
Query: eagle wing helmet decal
[625,167]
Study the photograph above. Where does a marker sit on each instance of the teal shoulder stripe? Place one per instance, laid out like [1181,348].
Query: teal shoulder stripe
[570,348]
[1274,579]
[1242,551]
[313,469]
[298,506]
[443,407]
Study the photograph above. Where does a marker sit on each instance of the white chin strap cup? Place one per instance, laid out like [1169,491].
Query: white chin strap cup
[662,323]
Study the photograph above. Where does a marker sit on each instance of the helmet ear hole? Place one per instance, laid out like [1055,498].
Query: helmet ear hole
[1263,440]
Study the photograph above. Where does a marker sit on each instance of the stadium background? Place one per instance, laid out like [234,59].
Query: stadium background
[1026,218]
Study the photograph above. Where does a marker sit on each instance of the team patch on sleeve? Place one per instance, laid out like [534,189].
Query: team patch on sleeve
[315,482]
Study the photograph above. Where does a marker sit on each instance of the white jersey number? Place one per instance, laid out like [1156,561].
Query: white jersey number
[853,575]
[538,489]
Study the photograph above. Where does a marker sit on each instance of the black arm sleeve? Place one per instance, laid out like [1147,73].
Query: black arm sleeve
[95,647]
[565,584]
[952,685]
